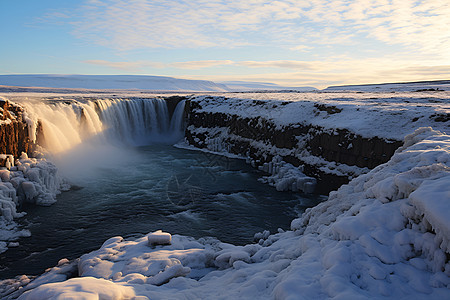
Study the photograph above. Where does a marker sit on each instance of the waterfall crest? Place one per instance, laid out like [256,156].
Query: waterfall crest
[59,125]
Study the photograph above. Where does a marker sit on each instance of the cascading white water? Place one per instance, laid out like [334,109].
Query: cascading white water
[134,122]
[176,123]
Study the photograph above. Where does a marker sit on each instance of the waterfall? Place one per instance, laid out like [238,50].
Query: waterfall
[177,122]
[60,125]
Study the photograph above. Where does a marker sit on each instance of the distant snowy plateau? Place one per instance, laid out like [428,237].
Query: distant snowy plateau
[385,235]
[130,82]
[64,83]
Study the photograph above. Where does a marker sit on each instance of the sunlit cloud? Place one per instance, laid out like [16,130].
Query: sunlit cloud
[289,64]
[202,64]
[125,25]
[194,65]
[124,65]
[350,71]
[301,48]
[336,70]
[296,42]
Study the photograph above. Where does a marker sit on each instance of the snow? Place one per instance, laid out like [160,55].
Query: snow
[159,238]
[285,177]
[31,180]
[135,82]
[390,116]
[82,288]
[244,86]
[385,234]
[437,85]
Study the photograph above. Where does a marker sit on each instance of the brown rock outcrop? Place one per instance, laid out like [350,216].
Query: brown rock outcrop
[14,137]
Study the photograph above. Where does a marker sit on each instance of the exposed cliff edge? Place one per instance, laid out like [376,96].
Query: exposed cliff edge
[13,130]
[330,138]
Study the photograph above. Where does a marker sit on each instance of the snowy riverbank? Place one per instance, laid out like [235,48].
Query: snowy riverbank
[32,180]
[385,234]
[331,137]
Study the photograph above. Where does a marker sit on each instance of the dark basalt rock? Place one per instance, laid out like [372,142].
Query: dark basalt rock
[340,146]
[172,102]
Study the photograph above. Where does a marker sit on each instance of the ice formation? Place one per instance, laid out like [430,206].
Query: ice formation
[32,180]
[286,177]
[385,234]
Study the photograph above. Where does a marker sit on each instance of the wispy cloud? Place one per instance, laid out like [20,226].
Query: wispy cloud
[289,64]
[336,70]
[194,65]
[202,64]
[125,25]
[134,66]
[301,48]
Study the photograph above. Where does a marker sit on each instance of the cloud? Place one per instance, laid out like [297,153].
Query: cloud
[301,48]
[194,65]
[289,64]
[124,65]
[344,71]
[335,70]
[139,24]
[202,64]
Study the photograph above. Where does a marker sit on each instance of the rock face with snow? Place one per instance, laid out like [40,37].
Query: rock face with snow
[385,234]
[13,130]
[251,128]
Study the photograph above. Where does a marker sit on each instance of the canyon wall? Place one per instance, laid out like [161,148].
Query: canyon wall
[332,156]
[13,131]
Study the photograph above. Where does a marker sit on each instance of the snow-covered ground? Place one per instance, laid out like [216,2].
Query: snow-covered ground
[239,86]
[385,115]
[437,85]
[389,116]
[385,234]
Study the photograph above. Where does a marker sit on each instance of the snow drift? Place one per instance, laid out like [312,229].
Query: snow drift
[385,234]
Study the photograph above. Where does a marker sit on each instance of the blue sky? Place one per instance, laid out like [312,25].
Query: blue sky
[292,43]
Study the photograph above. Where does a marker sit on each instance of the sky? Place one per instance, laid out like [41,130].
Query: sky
[288,42]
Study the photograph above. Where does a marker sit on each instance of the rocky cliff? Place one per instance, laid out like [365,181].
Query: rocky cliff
[333,156]
[13,130]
